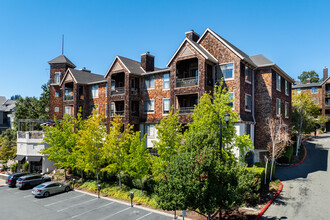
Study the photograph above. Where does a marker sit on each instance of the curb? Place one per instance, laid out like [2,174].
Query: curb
[269,203]
[293,165]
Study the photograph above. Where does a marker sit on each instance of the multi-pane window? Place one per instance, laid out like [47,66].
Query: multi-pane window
[166,81]
[278,82]
[112,109]
[57,77]
[68,94]
[149,130]
[57,109]
[166,106]
[315,90]
[231,104]
[149,106]
[95,92]
[278,106]
[286,112]
[57,94]
[248,102]
[149,82]
[68,110]
[286,87]
[248,74]
[227,71]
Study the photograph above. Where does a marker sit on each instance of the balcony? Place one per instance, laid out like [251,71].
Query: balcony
[68,97]
[118,90]
[186,103]
[185,82]
[54,81]
[30,134]
[186,110]
[119,113]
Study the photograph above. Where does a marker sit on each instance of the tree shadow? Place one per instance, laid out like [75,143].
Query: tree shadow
[316,160]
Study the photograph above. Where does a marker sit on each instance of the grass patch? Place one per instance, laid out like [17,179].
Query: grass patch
[114,191]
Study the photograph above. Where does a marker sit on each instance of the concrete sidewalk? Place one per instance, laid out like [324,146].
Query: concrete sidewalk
[2,182]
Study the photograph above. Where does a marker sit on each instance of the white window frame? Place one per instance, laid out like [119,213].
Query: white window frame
[286,87]
[112,109]
[152,134]
[152,101]
[278,107]
[286,109]
[151,78]
[66,112]
[245,103]
[96,95]
[233,100]
[169,106]
[278,82]
[59,77]
[57,109]
[227,79]
[317,90]
[245,72]
[169,81]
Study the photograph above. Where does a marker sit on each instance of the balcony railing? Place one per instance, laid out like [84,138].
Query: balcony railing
[68,97]
[185,82]
[120,113]
[54,81]
[134,113]
[118,91]
[30,134]
[186,110]
[327,94]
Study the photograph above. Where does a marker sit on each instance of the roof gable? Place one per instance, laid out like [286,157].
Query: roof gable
[199,48]
[62,59]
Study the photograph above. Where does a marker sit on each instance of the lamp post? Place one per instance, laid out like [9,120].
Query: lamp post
[98,189]
[226,117]
[73,182]
[132,196]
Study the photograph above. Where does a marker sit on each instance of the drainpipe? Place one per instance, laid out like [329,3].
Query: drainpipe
[253,110]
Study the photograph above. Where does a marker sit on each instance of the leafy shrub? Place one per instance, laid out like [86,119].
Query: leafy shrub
[259,170]
[25,166]
[13,167]
[286,157]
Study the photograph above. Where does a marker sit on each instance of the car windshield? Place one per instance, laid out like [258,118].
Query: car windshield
[40,186]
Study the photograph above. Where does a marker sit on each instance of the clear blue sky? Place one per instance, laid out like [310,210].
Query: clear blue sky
[293,34]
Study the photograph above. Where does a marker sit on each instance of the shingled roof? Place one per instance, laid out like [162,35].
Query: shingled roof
[84,77]
[62,59]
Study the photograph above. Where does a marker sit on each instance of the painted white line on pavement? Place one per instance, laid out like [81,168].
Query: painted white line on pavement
[115,213]
[62,200]
[92,210]
[144,216]
[76,205]
[27,196]
[19,192]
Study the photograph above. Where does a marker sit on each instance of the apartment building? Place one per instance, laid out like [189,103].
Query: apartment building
[142,94]
[7,113]
[320,93]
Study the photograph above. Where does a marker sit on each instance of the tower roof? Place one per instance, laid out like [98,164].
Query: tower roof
[62,59]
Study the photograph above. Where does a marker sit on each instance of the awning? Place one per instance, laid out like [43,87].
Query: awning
[33,158]
[19,157]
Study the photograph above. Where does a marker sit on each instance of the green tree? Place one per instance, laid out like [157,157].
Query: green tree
[89,151]
[169,135]
[116,147]
[62,141]
[138,160]
[303,115]
[7,149]
[312,75]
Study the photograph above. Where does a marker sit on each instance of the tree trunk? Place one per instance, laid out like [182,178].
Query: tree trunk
[65,177]
[298,144]
[141,185]
[119,180]
[271,169]
[266,170]
[82,176]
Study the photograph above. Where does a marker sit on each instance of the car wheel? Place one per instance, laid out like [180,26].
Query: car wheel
[67,189]
[46,194]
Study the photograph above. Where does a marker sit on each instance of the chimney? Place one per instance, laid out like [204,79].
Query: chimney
[86,70]
[325,73]
[308,80]
[192,35]
[147,62]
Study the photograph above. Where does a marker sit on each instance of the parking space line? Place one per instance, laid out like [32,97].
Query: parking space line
[27,196]
[92,210]
[19,192]
[62,200]
[115,213]
[76,205]
[144,216]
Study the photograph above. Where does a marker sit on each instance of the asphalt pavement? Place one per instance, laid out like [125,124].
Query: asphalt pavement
[20,204]
[306,187]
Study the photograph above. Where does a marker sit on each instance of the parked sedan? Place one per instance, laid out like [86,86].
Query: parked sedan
[50,188]
[11,179]
[26,182]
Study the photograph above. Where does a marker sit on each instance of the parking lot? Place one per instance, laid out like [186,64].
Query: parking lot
[20,204]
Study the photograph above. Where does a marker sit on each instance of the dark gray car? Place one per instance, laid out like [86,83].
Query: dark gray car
[30,181]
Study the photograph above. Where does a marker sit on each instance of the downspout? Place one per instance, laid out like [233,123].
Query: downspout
[253,104]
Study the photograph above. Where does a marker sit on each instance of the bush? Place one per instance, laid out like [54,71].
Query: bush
[13,167]
[259,170]
[286,157]
[25,166]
